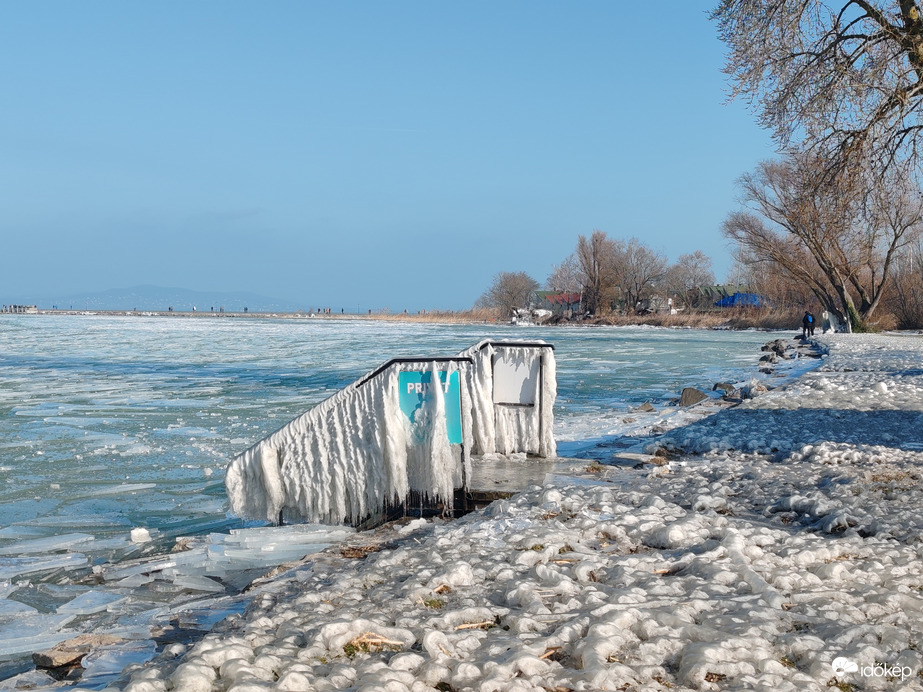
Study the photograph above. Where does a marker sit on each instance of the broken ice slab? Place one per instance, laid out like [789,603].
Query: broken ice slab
[206,559]
[120,489]
[80,519]
[33,633]
[241,580]
[105,664]
[195,583]
[108,545]
[143,618]
[18,532]
[49,544]
[46,598]
[29,680]
[271,555]
[272,543]
[270,535]
[186,526]
[142,567]
[206,613]
[16,566]
[10,610]
[91,602]
[132,581]
[202,503]
[265,547]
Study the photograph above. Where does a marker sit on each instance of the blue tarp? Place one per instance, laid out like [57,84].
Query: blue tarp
[742,299]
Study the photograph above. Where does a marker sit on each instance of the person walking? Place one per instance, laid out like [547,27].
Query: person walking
[807,324]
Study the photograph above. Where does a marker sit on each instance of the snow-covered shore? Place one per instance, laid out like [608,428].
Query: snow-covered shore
[783,536]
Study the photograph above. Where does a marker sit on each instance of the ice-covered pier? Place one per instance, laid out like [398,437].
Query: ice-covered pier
[408,429]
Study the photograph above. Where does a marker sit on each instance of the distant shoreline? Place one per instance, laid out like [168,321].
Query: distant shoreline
[729,319]
[436,316]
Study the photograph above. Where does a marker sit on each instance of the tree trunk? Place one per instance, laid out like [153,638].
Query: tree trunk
[852,320]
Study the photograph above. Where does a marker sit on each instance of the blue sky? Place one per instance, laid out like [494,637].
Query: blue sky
[385,154]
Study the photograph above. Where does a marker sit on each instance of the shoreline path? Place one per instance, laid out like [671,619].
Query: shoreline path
[779,550]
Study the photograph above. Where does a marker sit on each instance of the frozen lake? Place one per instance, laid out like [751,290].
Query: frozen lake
[109,424]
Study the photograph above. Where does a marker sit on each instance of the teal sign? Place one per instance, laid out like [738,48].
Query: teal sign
[416,388]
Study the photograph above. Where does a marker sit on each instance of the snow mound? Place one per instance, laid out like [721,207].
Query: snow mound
[620,588]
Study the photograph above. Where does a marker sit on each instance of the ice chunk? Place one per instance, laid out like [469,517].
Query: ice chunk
[16,566]
[30,680]
[205,614]
[80,520]
[33,633]
[94,601]
[140,535]
[133,581]
[193,583]
[10,610]
[121,489]
[107,545]
[142,620]
[105,664]
[49,544]
[20,532]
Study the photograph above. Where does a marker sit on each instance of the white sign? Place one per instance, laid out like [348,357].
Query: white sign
[516,382]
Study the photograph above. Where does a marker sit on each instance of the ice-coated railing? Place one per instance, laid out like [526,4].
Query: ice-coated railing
[392,432]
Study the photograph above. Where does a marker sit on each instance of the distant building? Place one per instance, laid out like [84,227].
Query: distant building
[566,304]
[656,304]
[21,309]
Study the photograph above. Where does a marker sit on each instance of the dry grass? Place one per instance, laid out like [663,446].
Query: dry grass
[370,642]
[740,318]
[437,316]
[358,552]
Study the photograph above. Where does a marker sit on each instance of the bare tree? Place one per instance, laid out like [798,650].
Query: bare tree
[687,275]
[566,277]
[508,291]
[765,252]
[907,301]
[838,235]
[772,281]
[638,269]
[596,256]
[844,75]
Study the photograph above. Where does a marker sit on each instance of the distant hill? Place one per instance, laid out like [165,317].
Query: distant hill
[162,298]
